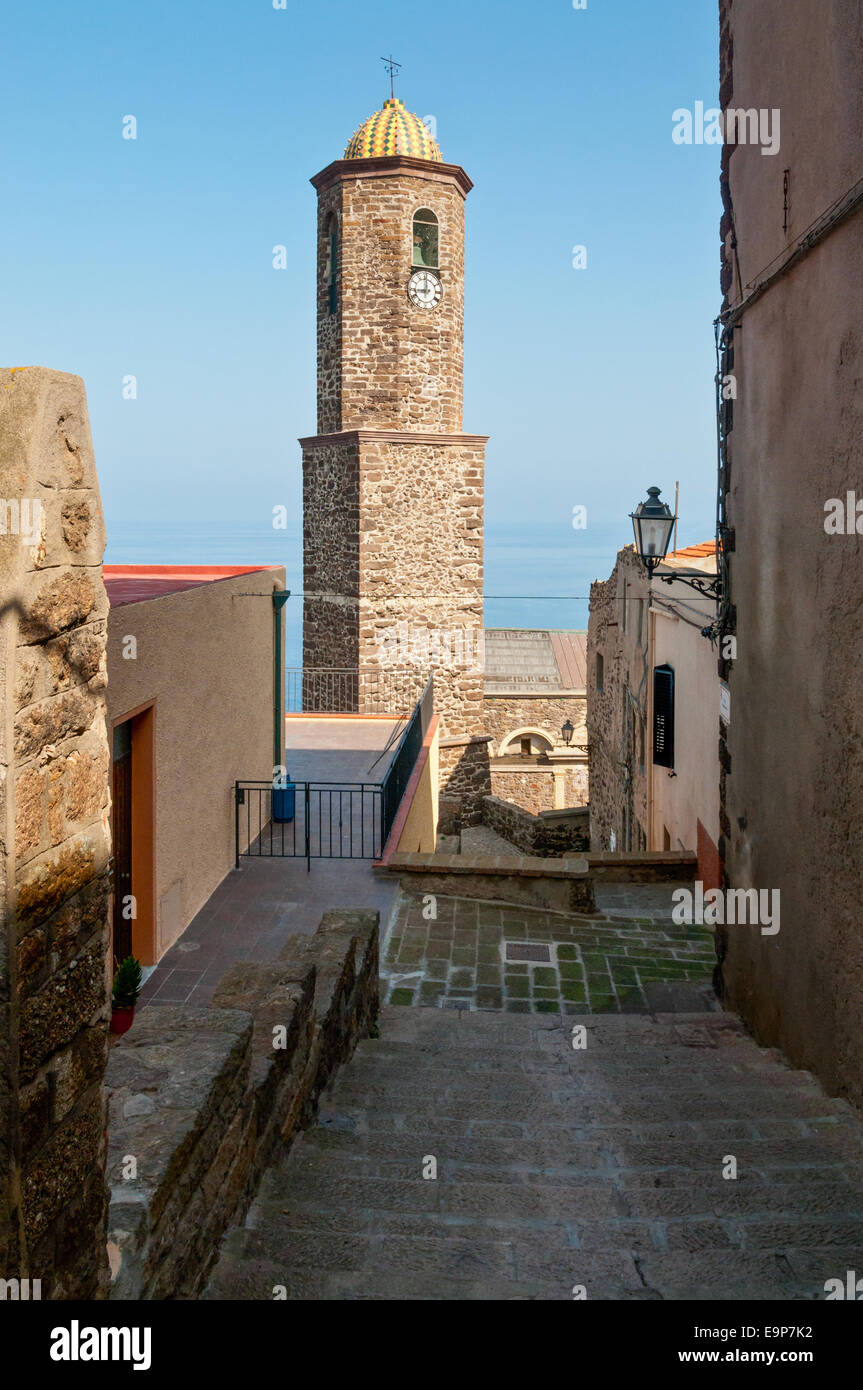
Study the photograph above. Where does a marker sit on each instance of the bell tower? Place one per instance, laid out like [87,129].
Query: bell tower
[392,486]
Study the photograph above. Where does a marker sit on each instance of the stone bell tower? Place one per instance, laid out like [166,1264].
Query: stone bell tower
[392,487]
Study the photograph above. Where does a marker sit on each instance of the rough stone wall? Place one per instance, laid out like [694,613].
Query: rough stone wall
[618,781]
[535,834]
[421,569]
[54,843]
[533,787]
[331,544]
[393,565]
[793,775]
[381,362]
[465,779]
[503,714]
[393,515]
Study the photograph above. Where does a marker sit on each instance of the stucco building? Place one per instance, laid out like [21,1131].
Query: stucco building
[792,455]
[653,705]
[194,704]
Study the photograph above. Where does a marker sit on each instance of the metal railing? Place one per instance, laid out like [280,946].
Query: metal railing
[357,690]
[307,820]
[329,820]
[399,771]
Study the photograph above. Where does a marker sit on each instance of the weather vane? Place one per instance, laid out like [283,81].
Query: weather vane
[391,63]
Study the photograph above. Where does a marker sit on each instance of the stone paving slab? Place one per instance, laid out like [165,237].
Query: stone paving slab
[483,956]
[551,1175]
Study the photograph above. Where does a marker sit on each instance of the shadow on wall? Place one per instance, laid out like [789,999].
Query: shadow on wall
[465,780]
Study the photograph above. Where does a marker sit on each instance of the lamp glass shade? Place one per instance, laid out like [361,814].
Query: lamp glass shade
[653,523]
[567,731]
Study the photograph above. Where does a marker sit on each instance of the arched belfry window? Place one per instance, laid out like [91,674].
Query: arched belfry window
[425,242]
[332,266]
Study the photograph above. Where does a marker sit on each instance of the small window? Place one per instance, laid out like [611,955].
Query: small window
[600,671]
[663,716]
[332,266]
[425,246]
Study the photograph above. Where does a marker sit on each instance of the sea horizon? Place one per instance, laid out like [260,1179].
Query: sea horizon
[537,574]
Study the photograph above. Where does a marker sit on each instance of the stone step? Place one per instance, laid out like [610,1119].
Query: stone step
[557,1169]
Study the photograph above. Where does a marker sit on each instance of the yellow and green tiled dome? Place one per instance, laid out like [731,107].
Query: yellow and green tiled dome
[394,130]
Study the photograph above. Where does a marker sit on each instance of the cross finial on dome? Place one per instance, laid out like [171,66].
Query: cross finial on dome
[391,63]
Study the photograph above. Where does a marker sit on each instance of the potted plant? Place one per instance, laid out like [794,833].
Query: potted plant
[124,996]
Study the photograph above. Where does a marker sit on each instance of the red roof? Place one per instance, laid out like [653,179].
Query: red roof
[138,583]
[702,551]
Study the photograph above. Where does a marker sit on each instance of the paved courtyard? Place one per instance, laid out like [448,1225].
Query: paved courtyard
[631,958]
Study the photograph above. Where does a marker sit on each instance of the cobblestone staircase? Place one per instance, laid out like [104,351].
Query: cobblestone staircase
[558,1169]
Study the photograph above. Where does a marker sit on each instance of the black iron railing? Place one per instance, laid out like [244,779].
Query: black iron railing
[363,690]
[329,820]
[307,820]
[399,771]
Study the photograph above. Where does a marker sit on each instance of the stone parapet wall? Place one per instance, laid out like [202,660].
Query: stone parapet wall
[200,1099]
[559,885]
[556,833]
[54,839]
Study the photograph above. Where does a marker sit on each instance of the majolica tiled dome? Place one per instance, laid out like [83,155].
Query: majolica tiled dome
[394,130]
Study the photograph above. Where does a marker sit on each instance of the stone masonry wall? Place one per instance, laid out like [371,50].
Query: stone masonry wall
[54,842]
[331,540]
[617,632]
[533,786]
[421,569]
[502,715]
[538,835]
[382,363]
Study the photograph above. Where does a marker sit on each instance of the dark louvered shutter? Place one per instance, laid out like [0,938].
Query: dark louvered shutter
[663,716]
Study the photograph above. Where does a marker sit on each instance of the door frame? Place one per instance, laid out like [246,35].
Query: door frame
[145,944]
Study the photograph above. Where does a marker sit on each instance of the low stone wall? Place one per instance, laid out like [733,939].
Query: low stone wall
[548,834]
[558,885]
[200,1099]
[555,884]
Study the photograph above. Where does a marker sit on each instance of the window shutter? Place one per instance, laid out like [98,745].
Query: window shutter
[663,716]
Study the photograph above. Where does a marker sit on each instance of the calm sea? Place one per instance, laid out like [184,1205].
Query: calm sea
[536,575]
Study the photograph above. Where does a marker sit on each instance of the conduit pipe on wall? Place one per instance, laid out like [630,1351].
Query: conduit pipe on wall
[280,598]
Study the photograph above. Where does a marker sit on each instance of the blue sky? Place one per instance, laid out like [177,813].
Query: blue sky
[153,257]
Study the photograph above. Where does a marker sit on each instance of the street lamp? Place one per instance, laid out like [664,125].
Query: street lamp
[653,523]
[567,732]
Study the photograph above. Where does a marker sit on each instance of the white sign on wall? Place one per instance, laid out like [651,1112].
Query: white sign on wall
[724,703]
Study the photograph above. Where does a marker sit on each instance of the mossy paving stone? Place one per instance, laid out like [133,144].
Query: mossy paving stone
[401,996]
[518,985]
[545,975]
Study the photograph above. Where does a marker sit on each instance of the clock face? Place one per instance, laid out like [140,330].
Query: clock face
[425,289]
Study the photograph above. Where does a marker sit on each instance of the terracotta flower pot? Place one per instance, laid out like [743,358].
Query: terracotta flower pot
[121,1017]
